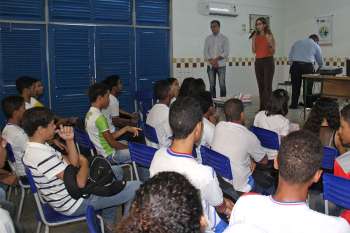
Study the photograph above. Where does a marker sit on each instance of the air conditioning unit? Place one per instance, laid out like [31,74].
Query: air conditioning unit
[222,8]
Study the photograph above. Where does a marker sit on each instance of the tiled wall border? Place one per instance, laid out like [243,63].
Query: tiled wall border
[180,63]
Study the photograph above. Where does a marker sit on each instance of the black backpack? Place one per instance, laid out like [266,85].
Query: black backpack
[101,180]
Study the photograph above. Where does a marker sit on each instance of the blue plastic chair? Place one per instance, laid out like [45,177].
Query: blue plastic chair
[336,190]
[46,214]
[151,134]
[219,162]
[142,155]
[329,155]
[144,102]
[82,140]
[94,222]
[267,138]
[23,186]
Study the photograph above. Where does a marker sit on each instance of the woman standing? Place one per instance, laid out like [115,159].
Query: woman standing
[263,45]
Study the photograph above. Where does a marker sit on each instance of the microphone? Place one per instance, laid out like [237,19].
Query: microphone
[252,34]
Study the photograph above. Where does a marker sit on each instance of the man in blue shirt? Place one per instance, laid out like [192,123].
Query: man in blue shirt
[303,55]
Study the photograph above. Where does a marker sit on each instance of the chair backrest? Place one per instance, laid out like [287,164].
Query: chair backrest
[82,139]
[267,138]
[10,154]
[150,133]
[219,162]
[141,154]
[31,181]
[329,155]
[336,190]
[92,220]
[144,100]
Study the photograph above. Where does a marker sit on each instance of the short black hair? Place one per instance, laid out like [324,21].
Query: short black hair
[314,37]
[35,117]
[215,21]
[185,113]
[300,157]
[205,100]
[111,81]
[167,202]
[96,90]
[196,86]
[233,109]
[24,82]
[278,103]
[345,113]
[185,86]
[161,89]
[10,104]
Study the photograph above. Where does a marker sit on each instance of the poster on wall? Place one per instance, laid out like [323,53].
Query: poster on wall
[325,29]
[253,18]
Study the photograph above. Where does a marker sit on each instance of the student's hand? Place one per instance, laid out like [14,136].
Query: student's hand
[252,165]
[59,144]
[229,206]
[66,132]
[3,143]
[133,130]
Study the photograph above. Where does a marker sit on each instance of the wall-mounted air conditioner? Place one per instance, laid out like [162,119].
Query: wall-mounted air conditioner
[215,7]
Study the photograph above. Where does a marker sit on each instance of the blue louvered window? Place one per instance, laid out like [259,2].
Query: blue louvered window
[71,55]
[22,9]
[114,55]
[152,12]
[22,52]
[152,56]
[113,11]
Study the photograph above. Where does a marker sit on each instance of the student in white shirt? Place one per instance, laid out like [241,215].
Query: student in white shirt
[186,123]
[97,127]
[158,116]
[166,203]
[114,114]
[242,147]
[299,161]
[13,108]
[274,117]
[208,109]
[48,167]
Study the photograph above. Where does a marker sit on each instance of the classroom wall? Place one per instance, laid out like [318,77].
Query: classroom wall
[300,18]
[191,28]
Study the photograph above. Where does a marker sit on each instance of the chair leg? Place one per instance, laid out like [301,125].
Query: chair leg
[20,207]
[135,169]
[326,210]
[131,172]
[9,192]
[38,227]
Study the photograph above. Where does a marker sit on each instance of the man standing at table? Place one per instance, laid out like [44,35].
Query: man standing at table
[303,55]
[216,50]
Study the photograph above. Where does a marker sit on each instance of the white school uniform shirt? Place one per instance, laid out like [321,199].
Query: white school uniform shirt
[158,118]
[276,123]
[201,177]
[207,136]
[45,163]
[288,217]
[111,111]
[6,224]
[239,144]
[18,139]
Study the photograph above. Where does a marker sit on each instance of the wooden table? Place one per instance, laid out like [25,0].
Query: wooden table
[331,86]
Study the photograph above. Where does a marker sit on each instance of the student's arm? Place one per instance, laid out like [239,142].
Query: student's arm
[256,151]
[126,129]
[272,43]
[3,154]
[253,43]
[67,134]
[112,142]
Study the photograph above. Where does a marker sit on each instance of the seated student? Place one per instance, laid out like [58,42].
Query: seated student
[234,140]
[186,122]
[97,127]
[167,202]
[299,161]
[196,86]
[185,87]
[324,120]
[158,116]
[114,114]
[174,89]
[25,88]
[208,109]
[48,167]
[274,117]
[38,90]
[13,108]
